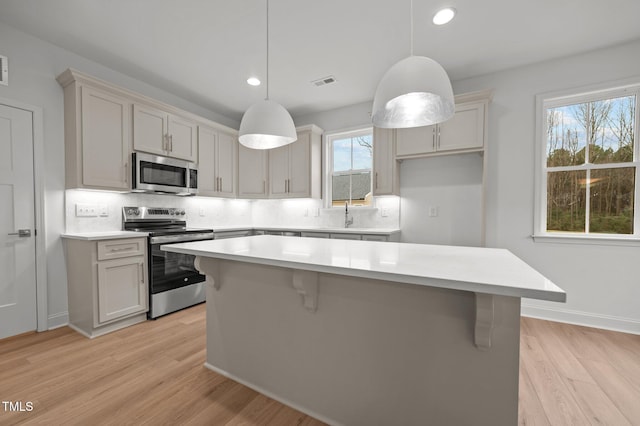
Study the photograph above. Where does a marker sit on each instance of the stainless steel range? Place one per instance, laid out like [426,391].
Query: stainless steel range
[174,282]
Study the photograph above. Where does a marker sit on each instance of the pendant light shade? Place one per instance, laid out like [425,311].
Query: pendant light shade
[414,92]
[265,125]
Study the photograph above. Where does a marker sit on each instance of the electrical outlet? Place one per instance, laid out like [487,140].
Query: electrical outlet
[86,210]
[384,212]
[104,210]
[433,212]
[316,212]
[202,213]
[306,212]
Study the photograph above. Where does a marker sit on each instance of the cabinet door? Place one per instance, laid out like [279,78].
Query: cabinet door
[207,183]
[278,171]
[183,140]
[252,176]
[105,140]
[465,130]
[226,164]
[300,166]
[415,141]
[122,290]
[149,129]
[386,178]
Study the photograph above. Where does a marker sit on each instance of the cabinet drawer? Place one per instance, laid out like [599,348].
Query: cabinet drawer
[115,249]
[346,236]
[375,238]
[315,235]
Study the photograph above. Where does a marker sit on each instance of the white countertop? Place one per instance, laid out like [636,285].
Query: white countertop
[482,270]
[367,231]
[105,235]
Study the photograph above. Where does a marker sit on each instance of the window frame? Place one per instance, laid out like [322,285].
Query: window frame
[328,145]
[570,97]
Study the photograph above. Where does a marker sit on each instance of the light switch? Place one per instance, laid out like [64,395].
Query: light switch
[433,211]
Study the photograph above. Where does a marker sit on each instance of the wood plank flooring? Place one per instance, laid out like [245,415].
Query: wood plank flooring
[153,374]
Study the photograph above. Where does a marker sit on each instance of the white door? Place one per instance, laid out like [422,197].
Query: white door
[17,243]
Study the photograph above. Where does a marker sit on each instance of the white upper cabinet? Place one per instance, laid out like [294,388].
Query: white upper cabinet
[158,132]
[386,173]
[97,135]
[217,159]
[415,141]
[149,130]
[253,172]
[465,132]
[295,169]
[183,138]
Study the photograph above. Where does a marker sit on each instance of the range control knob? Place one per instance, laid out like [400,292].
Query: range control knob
[133,212]
[182,212]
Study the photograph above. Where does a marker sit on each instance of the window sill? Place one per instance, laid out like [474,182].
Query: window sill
[603,240]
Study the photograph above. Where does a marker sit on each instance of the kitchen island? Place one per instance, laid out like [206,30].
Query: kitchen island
[371,333]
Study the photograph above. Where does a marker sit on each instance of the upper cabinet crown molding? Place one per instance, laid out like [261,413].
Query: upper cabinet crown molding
[72,75]
[478,96]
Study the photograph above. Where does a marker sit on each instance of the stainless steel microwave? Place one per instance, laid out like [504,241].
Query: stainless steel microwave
[153,173]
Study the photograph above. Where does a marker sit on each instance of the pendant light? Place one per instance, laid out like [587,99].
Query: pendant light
[414,92]
[267,124]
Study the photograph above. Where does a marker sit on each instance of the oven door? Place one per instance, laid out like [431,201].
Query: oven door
[169,270]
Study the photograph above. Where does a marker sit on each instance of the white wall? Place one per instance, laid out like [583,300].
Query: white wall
[452,185]
[33,67]
[602,282]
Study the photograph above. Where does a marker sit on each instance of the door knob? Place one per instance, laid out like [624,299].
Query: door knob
[22,233]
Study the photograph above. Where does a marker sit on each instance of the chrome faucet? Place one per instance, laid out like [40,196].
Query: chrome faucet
[347,220]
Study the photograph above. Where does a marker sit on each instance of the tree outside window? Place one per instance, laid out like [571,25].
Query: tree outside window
[352,160]
[590,168]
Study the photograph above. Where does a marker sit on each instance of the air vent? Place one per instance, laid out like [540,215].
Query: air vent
[4,70]
[324,81]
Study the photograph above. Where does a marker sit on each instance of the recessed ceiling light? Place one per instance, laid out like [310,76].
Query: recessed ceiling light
[444,16]
[252,81]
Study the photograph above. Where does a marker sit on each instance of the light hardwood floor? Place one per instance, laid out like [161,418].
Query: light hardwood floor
[152,373]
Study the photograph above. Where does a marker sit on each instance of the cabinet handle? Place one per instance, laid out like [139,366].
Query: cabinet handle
[124,170]
[433,139]
[170,143]
[165,142]
[120,249]
[220,188]
[141,273]
[438,137]
[376,181]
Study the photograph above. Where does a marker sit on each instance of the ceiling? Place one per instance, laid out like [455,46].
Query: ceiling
[204,50]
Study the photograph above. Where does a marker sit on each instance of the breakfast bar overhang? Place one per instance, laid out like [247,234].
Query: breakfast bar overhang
[369,333]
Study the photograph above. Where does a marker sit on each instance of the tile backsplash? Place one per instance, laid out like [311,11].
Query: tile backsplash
[211,212]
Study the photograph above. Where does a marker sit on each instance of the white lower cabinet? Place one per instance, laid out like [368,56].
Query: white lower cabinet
[121,288]
[107,284]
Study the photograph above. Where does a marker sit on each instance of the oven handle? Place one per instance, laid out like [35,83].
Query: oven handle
[165,239]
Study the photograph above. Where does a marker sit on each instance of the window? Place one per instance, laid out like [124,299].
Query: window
[350,160]
[589,164]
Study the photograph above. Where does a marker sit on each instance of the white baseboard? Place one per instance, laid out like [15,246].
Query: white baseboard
[587,319]
[57,320]
[272,396]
